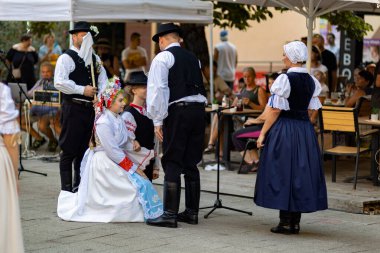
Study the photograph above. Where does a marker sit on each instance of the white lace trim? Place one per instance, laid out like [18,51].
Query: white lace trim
[278,102]
[10,127]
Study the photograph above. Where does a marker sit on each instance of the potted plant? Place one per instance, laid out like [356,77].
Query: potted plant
[375,113]
[215,104]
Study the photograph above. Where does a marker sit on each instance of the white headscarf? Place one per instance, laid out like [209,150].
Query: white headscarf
[86,50]
[296,51]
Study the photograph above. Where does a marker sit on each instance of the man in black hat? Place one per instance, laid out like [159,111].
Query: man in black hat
[176,99]
[74,79]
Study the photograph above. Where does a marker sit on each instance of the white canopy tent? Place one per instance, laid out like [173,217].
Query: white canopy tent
[191,11]
[183,11]
[312,9]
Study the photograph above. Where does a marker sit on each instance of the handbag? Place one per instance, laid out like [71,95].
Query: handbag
[16,72]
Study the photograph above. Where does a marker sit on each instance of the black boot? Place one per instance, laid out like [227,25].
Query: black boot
[192,195]
[76,180]
[172,194]
[66,181]
[285,226]
[295,222]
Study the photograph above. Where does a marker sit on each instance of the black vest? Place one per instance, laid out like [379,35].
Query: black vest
[81,74]
[144,130]
[185,76]
[302,89]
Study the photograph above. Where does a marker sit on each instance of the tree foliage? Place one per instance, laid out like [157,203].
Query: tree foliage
[41,28]
[354,25]
[230,15]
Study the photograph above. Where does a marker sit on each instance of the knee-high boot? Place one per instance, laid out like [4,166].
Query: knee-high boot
[172,194]
[66,181]
[192,195]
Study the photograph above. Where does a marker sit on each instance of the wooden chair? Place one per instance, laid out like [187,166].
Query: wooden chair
[364,106]
[342,120]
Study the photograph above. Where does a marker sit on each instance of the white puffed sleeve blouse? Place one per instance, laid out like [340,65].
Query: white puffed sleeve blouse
[280,92]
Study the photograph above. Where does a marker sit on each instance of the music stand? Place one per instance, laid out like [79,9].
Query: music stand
[218,201]
[20,89]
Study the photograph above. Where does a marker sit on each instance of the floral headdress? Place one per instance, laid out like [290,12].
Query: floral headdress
[106,99]
[111,91]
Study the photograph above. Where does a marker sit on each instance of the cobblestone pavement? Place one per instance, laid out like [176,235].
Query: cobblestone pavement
[223,231]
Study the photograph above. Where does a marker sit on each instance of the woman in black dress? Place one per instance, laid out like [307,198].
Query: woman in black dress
[23,56]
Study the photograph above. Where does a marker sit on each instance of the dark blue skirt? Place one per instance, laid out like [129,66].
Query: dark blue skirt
[290,176]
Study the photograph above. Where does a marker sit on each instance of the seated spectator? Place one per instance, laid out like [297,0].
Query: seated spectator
[220,86]
[354,92]
[110,62]
[251,158]
[45,114]
[321,77]
[50,50]
[253,97]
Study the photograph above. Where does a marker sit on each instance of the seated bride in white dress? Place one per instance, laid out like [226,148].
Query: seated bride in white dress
[113,187]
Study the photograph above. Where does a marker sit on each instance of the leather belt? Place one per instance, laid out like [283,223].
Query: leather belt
[79,102]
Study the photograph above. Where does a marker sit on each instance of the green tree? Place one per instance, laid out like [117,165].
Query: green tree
[231,15]
[354,25]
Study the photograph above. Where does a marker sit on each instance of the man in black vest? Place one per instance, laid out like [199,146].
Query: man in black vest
[73,78]
[175,102]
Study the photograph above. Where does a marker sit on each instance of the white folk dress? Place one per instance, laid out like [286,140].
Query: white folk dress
[10,224]
[107,192]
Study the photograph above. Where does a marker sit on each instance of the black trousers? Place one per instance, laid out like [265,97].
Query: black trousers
[184,131]
[77,123]
[149,170]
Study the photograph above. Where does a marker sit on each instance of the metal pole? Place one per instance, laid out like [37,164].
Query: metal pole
[211,59]
[310,21]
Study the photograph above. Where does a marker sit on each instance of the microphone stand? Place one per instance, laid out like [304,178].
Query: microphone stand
[20,93]
[218,201]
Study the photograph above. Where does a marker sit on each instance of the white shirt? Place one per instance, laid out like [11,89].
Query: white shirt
[226,60]
[281,88]
[65,65]
[8,112]
[158,92]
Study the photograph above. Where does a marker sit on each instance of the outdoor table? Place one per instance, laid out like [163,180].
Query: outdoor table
[374,147]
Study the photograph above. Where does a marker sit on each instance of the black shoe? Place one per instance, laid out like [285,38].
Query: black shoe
[284,228]
[38,143]
[166,220]
[172,194]
[52,145]
[188,217]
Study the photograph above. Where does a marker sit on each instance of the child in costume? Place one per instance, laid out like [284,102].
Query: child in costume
[140,127]
[113,187]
